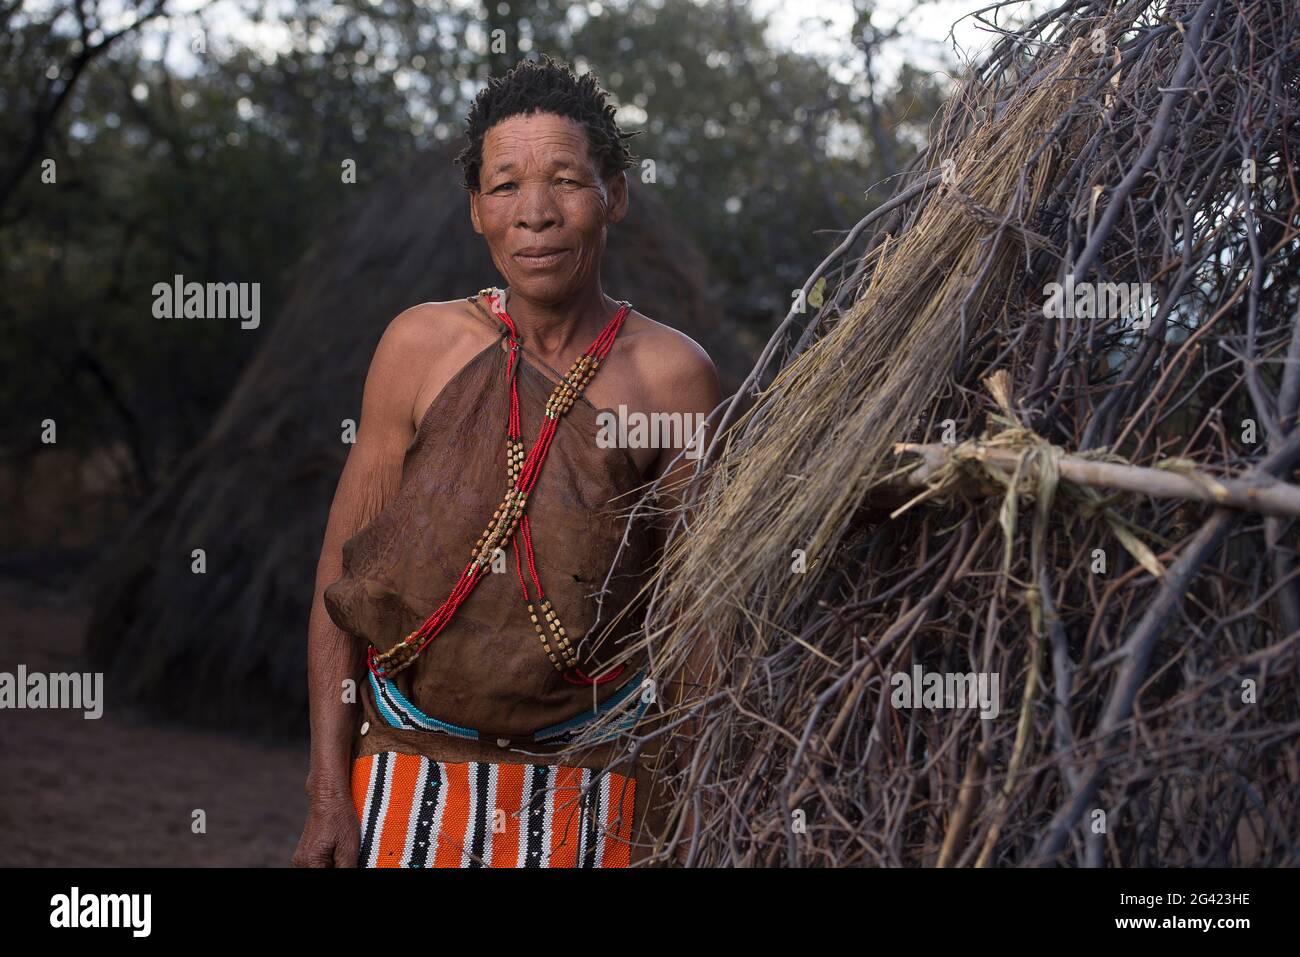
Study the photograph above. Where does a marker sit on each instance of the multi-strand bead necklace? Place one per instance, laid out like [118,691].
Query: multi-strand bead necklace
[509,522]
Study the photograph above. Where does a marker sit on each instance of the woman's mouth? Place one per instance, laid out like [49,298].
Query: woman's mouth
[540,257]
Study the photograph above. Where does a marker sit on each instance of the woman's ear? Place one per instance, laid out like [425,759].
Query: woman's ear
[473,211]
[616,189]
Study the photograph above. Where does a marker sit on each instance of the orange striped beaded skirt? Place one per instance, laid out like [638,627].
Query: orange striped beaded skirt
[415,811]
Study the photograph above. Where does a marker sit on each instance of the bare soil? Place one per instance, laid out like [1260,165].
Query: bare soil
[121,791]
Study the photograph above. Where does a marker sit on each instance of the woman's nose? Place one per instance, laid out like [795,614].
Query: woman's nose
[537,207]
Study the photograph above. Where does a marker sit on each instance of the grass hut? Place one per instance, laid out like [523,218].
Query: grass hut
[955,469]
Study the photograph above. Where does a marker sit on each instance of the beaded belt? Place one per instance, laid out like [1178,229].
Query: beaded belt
[398,712]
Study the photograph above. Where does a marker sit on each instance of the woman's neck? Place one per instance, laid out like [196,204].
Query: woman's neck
[553,330]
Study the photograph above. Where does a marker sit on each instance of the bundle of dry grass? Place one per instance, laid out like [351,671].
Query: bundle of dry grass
[229,645]
[950,471]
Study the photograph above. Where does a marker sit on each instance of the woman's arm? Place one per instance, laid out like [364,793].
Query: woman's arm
[369,479]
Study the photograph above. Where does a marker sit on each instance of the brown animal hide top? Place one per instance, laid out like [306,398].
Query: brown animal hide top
[486,669]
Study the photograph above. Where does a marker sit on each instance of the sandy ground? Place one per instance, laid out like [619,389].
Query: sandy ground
[118,791]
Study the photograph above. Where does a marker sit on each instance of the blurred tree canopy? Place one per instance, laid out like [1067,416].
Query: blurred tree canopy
[209,140]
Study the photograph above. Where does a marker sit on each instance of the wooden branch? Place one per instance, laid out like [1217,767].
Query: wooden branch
[972,788]
[1266,496]
[46,114]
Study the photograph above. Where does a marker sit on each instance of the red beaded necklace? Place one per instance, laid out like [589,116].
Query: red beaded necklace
[522,472]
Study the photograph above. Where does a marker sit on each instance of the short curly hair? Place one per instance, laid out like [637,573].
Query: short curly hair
[545,86]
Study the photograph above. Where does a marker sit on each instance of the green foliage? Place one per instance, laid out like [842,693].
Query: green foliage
[225,164]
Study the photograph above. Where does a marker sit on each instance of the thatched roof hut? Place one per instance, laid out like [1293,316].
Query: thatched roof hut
[229,645]
[1088,512]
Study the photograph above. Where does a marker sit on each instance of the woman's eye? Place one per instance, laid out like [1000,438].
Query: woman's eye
[502,186]
[570,182]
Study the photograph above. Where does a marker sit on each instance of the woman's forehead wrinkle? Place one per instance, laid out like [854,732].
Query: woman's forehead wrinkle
[552,149]
[553,163]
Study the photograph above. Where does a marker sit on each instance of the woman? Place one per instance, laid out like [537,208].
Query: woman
[475,521]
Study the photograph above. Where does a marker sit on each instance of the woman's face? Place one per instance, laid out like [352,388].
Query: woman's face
[543,207]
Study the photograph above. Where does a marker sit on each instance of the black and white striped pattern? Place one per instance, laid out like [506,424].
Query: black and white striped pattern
[426,815]
[541,822]
[375,809]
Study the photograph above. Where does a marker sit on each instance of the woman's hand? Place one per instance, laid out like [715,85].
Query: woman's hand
[332,834]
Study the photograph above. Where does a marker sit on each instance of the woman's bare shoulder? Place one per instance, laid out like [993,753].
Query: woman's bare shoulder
[441,327]
[667,356]
[433,341]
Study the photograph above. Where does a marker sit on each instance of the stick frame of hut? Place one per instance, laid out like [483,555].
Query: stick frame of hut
[1115,545]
